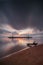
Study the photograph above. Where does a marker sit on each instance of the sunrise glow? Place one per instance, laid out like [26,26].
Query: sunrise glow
[26,31]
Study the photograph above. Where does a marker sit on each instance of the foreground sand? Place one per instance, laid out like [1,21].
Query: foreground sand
[31,56]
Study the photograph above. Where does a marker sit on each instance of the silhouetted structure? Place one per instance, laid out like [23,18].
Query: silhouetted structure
[34,43]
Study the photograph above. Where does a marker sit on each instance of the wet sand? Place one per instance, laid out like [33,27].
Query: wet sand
[30,56]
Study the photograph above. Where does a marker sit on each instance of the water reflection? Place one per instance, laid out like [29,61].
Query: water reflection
[8,46]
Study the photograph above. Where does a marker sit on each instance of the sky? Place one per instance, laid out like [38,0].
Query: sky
[21,16]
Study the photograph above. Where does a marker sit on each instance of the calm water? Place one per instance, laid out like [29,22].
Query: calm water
[8,46]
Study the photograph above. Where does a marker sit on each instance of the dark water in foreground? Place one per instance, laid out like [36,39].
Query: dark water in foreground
[8,46]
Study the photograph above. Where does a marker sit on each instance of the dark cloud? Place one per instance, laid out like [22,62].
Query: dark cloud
[22,14]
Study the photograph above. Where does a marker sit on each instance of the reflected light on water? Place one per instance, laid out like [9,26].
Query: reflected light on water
[6,39]
[22,41]
[8,46]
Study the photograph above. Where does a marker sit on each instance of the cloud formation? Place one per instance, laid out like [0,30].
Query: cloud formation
[21,15]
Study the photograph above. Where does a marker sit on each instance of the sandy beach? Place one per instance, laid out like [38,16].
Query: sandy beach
[30,56]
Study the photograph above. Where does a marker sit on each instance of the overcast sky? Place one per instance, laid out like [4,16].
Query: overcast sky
[22,14]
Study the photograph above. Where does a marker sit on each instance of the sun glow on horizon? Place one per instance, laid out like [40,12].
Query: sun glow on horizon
[26,31]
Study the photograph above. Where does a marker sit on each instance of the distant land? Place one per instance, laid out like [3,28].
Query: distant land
[30,56]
